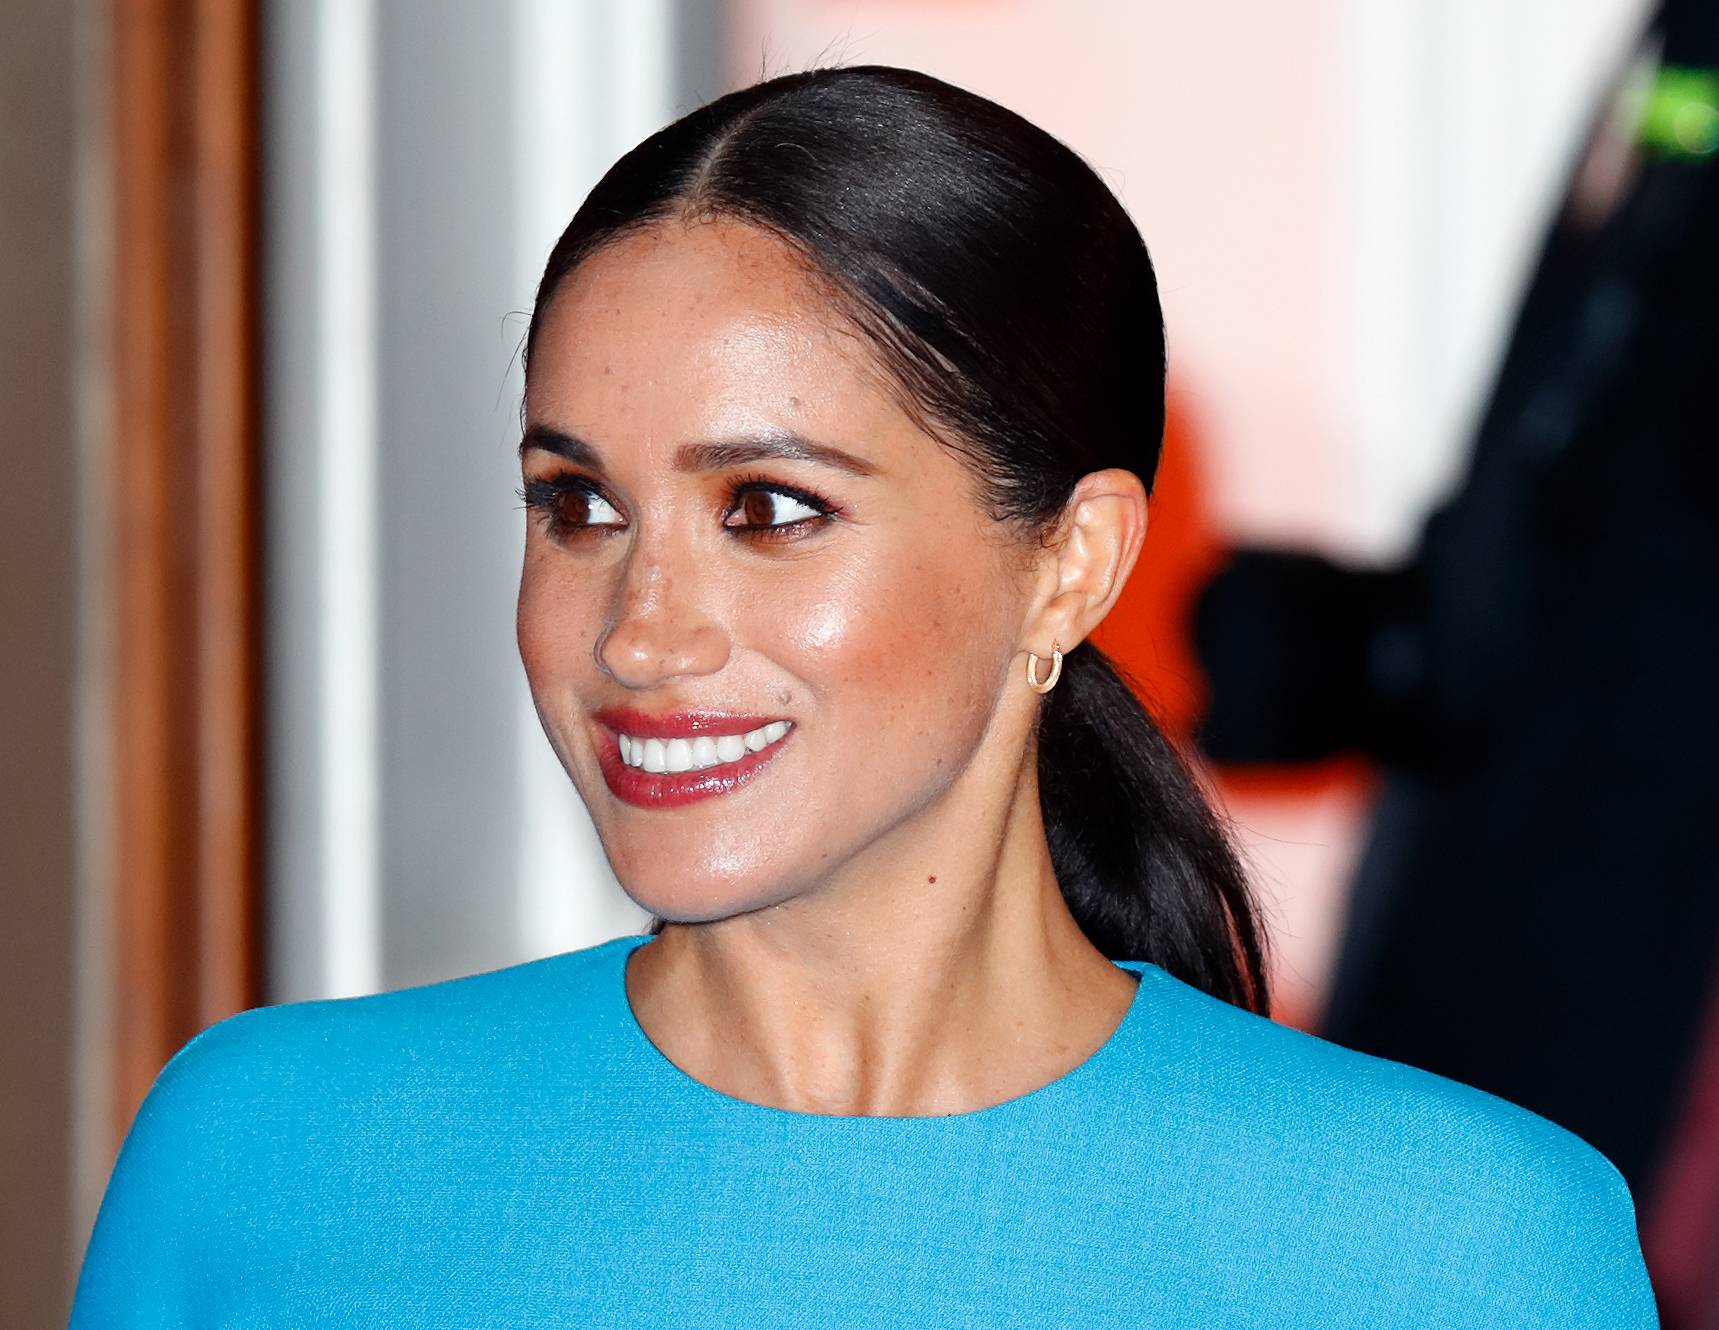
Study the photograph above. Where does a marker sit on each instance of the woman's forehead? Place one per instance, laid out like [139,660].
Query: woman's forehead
[677,284]
[709,328]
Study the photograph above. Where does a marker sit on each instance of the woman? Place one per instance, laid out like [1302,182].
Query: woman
[844,394]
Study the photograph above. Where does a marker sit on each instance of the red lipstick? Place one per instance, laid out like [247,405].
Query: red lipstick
[646,789]
[678,724]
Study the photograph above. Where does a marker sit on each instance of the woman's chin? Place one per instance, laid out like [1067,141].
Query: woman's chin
[682,902]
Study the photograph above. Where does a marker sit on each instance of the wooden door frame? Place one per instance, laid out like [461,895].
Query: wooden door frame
[180,474]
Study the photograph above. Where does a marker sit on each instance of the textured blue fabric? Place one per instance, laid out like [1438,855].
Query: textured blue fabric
[510,1150]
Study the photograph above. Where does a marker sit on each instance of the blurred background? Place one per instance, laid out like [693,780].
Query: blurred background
[1429,590]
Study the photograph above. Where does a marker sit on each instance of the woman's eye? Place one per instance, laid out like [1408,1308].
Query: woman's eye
[770,508]
[569,504]
[586,508]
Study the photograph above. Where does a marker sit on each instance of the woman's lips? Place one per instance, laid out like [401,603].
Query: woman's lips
[646,789]
[678,724]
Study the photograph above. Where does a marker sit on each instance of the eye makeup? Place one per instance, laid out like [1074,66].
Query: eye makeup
[564,502]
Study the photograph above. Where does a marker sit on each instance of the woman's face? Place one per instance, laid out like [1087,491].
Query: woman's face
[688,577]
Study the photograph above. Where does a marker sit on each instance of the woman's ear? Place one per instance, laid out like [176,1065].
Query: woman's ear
[1102,529]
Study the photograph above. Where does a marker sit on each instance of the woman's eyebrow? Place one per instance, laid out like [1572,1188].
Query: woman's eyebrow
[779,445]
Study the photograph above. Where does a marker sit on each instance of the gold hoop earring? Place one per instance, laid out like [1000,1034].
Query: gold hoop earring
[1051,678]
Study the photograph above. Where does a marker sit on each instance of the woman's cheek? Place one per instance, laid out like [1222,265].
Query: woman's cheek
[824,629]
[846,632]
[551,629]
[881,643]
[529,628]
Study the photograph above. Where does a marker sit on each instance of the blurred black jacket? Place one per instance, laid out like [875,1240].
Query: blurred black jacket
[1535,911]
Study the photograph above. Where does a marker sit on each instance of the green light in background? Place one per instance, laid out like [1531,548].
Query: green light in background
[1681,114]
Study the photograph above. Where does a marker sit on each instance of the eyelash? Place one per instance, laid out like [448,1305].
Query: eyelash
[542,496]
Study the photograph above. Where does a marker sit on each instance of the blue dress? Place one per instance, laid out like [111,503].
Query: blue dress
[510,1150]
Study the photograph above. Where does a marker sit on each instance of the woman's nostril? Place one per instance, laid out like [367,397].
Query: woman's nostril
[640,656]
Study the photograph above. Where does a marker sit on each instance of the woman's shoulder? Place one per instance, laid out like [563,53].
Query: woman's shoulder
[281,1122]
[451,1032]
[1385,1115]
[1432,1165]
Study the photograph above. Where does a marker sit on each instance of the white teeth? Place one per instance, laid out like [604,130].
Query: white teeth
[765,735]
[696,753]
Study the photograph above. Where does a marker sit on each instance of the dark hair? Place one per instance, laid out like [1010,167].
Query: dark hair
[1013,300]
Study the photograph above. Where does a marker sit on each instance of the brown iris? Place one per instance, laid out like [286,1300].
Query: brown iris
[573,507]
[756,508]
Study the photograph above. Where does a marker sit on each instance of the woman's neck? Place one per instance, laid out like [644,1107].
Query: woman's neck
[943,974]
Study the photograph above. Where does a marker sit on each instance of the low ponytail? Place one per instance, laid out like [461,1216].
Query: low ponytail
[1145,867]
[1012,300]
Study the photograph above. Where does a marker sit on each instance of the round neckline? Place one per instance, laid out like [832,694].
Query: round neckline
[686,1083]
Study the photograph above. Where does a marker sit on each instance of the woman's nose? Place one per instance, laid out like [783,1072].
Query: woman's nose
[659,630]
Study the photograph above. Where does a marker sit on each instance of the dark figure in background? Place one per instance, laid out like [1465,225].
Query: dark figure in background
[1535,913]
